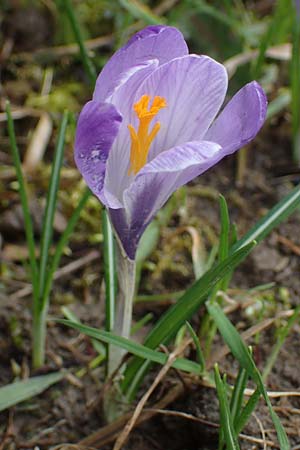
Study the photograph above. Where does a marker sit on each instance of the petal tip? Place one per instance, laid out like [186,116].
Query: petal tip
[262,99]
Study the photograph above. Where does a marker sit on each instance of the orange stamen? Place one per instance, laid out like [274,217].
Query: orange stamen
[142,139]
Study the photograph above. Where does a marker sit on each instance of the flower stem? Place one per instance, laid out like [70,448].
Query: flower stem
[126,279]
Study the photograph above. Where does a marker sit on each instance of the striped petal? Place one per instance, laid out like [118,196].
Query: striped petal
[154,42]
[194,88]
[154,184]
[97,127]
[241,118]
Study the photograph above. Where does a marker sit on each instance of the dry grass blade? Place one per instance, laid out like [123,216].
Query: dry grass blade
[289,244]
[275,394]
[140,406]
[20,113]
[66,270]
[65,50]
[38,143]
[262,430]
[109,433]
[255,440]
[280,52]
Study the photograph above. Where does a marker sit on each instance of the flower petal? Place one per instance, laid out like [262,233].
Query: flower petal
[97,127]
[154,184]
[154,42]
[117,179]
[194,88]
[241,118]
[297,5]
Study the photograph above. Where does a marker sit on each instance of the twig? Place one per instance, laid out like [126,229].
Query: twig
[109,433]
[90,44]
[280,52]
[65,50]
[262,430]
[289,244]
[140,406]
[67,269]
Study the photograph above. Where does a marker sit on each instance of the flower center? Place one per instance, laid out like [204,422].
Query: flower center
[142,139]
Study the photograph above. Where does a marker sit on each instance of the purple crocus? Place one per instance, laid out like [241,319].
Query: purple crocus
[297,5]
[151,126]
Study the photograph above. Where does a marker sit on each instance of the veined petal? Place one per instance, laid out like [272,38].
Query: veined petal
[155,183]
[117,179]
[241,118]
[97,128]
[297,5]
[194,88]
[131,81]
[155,42]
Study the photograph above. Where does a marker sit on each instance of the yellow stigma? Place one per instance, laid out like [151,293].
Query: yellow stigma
[142,139]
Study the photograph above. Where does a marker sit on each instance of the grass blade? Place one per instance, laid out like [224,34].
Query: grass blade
[225,227]
[196,341]
[281,10]
[226,422]
[140,323]
[86,61]
[242,419]
[208,327]
[109,256]
[40,308]
[237,397]
[47,227]
[141,11]
[295,87]
[279,103]
[160,332]
[17,392]
[24,203]
[275,216]
[279,343]
[179,313]
[64,240]
[133,347]
[242,354]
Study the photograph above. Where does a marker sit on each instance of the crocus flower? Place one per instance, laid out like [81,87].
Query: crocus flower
[152,126]
[297,5]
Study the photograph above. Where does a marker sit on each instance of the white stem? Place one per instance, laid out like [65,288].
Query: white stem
[126,278]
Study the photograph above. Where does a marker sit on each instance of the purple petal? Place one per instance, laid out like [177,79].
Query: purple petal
[194,88]
[123,98]
[297,5]
[145,33]
[155,183]
[97,127]
[241,119]
[154,42]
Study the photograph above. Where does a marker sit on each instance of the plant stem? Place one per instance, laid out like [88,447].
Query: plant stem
[109,258]
[39,336]
[122,326]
